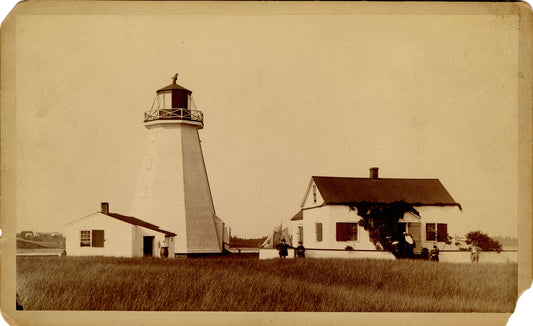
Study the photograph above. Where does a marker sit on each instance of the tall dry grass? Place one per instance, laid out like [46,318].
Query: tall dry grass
[229,284]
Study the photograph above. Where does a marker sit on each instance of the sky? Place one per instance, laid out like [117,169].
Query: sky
[285,97]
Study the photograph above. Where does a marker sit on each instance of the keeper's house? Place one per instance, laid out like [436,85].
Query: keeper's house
[328,219]
[110,234]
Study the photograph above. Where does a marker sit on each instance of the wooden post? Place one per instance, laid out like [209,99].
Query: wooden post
[223,224]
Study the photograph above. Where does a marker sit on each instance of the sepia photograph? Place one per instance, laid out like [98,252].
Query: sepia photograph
[263,161]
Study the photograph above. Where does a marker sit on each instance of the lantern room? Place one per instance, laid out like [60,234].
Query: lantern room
[173,102]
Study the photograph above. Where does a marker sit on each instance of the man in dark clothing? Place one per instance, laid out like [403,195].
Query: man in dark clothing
[282,249]
[300,250]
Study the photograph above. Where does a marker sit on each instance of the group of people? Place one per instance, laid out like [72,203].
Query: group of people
[404,249]
[409,244]
[283,251]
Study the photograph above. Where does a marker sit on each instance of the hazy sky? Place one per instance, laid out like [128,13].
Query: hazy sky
[284,97]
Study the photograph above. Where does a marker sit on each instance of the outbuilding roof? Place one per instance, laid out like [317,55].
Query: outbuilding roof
[136,221]
[418,192]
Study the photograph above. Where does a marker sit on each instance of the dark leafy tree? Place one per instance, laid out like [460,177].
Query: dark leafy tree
[381,221]
[483,241]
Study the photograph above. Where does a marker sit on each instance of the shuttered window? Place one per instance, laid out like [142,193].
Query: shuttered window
[346,232]
[318,227]
[92,238]
[442,232]
[430,231]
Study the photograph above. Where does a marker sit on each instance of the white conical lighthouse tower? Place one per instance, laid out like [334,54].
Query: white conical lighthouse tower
[173,190]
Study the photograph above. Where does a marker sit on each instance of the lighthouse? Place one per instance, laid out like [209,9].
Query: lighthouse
[173,189]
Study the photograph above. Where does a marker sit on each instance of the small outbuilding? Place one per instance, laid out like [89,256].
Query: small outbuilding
[111,234]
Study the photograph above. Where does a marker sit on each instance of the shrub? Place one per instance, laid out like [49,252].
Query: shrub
[381,220]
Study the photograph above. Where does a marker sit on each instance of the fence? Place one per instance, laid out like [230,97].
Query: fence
[450,256]
[329,253]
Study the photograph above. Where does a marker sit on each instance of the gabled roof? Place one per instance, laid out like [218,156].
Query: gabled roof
[298,216]
[418,192]
[136,221]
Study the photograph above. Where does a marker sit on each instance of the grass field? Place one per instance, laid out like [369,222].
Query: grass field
[238,284]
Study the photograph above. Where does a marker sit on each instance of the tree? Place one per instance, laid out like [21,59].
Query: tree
[381,220]
[483,241]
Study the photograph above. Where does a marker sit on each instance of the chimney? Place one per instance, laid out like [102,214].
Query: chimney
[374,173]
[105,208]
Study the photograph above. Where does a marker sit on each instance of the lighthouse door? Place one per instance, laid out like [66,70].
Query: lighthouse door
[148,246]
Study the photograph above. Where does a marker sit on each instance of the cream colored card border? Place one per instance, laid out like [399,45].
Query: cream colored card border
[9,164]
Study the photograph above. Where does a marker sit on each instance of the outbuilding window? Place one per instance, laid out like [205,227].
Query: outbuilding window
[92,238]
[85,239]
[346,232]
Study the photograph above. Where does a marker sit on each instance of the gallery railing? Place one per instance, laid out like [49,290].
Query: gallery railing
[174,114]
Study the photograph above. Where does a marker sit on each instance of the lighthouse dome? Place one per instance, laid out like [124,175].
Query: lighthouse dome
[174,96]
[173,102]
[173,87]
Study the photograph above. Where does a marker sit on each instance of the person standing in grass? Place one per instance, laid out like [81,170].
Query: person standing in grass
[475,253]
[300,250]
[282,249]
[435,254]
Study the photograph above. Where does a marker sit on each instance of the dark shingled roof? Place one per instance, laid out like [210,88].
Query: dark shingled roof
[298,216]
[136,221]
[342,190]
